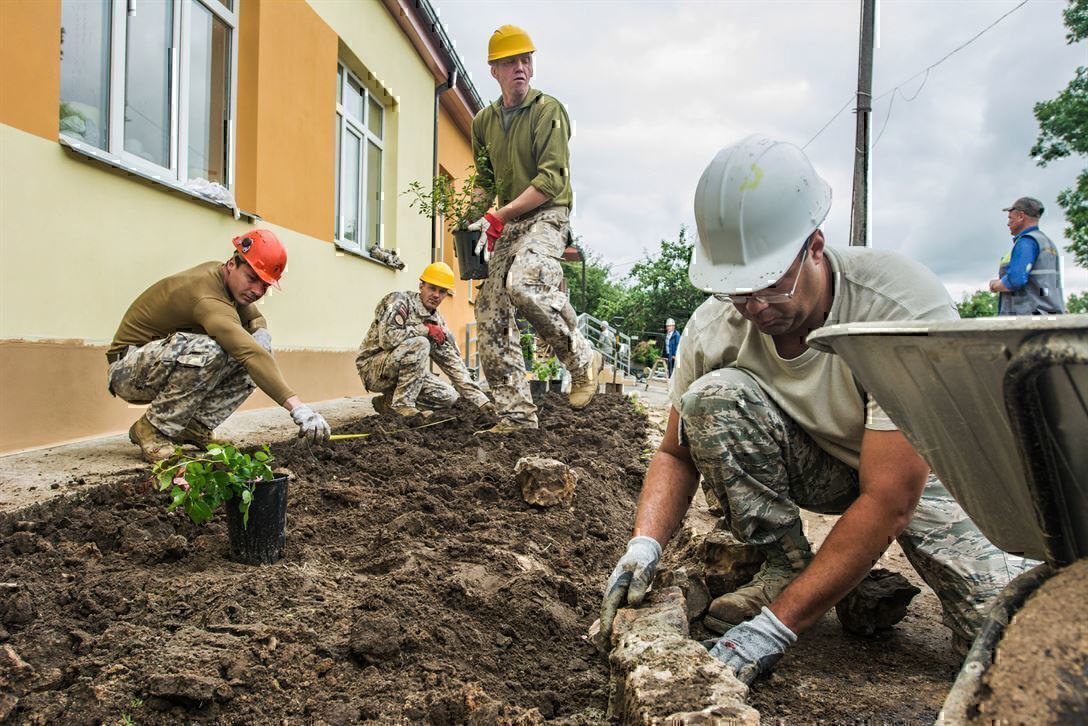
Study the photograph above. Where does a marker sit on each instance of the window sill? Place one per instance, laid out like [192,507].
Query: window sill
[362,255]
[89,153]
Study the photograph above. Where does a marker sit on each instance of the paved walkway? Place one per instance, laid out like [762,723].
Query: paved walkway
[33,476]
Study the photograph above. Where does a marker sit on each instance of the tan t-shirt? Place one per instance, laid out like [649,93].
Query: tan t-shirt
[197,301]
[817,390]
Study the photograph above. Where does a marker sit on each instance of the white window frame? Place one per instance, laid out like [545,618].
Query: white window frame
[346,123]
[177,171]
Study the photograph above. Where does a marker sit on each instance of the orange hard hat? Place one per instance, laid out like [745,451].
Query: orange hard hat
[264,252]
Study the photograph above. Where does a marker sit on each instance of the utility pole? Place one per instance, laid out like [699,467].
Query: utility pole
[859,210]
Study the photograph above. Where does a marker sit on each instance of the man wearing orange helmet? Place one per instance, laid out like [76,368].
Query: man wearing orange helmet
[194,346]
[522,140]
[407,334]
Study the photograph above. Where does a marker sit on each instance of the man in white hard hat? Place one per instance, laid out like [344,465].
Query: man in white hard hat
[672,340]
[407,334]
[773,425]
[521,143]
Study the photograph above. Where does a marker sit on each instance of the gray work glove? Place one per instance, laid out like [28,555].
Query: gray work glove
[263,338]
[633,574]
[311,425]
[753,647]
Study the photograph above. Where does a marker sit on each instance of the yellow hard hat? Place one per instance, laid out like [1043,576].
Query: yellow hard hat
[507,41]
[438,274]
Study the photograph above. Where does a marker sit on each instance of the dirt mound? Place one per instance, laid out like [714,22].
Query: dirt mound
[416,584]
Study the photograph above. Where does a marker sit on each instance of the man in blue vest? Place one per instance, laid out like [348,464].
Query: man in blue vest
[1028,279]
[672,340]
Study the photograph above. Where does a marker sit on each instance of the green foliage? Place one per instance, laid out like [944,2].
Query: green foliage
[979,304]
[546,370]
[1063,132]
[528,344]
[459,206]
[201,483]
[1077,303]
[645,353]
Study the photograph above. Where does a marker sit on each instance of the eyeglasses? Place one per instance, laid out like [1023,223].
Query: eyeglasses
[763,296]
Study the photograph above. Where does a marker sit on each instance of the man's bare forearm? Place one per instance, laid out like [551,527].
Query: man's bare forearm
[669,485]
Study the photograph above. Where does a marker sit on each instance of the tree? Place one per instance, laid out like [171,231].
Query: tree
[1077,303]
[601,290]
[1063,131]
[980,304]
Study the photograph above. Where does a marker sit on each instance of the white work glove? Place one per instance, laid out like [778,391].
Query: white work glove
[263,338]
[311,425]
[490,228]
[753,647]
[628,582]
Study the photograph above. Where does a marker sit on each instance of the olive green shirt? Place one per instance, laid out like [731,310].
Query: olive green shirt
[197,301]
[533,152]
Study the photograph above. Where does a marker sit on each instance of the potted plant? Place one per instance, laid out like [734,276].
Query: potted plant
[545,372]
[459,206]
[257,497]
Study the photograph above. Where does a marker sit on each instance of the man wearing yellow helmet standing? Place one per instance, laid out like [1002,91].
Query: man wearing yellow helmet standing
[407,333]
[521,140]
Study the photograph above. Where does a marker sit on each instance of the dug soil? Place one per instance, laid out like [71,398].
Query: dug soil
[416,585]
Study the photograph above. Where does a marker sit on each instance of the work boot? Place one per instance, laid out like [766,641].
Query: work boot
[383,404]
[410,411]
[153,444]
[786,558]
[508,426]
[584,385]
[198,434]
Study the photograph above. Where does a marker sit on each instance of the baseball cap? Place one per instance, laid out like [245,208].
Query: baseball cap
[1028,205]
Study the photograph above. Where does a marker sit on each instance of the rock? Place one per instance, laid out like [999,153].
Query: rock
[545,482]
[374,638]
[696,594]
[188,689]
[729,563]
[660,675]
[877,603]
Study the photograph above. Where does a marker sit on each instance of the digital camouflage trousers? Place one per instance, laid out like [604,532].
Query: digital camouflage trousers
[524,278]
[763,468]
[403,373]
[184,377]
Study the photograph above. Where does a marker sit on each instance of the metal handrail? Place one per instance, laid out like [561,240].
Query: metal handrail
[619,357]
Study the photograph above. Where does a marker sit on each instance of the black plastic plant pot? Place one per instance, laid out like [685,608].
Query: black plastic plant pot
[472,265]
[263,540]
[538,388]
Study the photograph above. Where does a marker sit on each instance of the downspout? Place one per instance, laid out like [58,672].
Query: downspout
[450,83]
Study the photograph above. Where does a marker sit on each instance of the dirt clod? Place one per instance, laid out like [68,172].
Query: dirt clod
[877,603]
[545,482]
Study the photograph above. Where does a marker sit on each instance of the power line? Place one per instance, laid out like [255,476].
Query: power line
[925,71]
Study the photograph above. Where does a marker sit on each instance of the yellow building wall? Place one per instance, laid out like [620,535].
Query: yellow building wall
[78,241]
[30,65]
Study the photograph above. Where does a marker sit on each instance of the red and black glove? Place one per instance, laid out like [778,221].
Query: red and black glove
[436,333]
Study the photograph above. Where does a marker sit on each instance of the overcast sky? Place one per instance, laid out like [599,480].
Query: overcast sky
[655,88]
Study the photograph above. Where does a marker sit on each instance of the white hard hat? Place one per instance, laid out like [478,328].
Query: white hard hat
[670,321]
[756,204]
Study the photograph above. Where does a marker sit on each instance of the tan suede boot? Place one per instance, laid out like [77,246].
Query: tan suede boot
[584,385]
[154,446]
[785,560]
[199,435]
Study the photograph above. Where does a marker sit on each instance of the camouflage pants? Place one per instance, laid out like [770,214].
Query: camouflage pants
[184,377]
[524,277]
[404,373]
[763,467]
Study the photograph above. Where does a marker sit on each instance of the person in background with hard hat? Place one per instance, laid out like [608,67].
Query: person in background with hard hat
[194,346]
[608,344]
[521,140]
[407,333]
[672,340]
[1028,277]
[774,425]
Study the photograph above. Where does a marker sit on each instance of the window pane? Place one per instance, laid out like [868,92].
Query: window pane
[353,99]
[228,4]
[339,84]
[209,88]
[147,79]
[84,70]
[373,194]
[339,162]
[374,122]
[349,184]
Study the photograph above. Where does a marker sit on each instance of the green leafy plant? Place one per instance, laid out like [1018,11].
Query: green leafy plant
[528,346]
[221,474]
[459,206]
[546,370]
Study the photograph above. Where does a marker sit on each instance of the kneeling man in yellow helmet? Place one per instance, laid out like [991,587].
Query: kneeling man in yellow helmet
[407,333]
